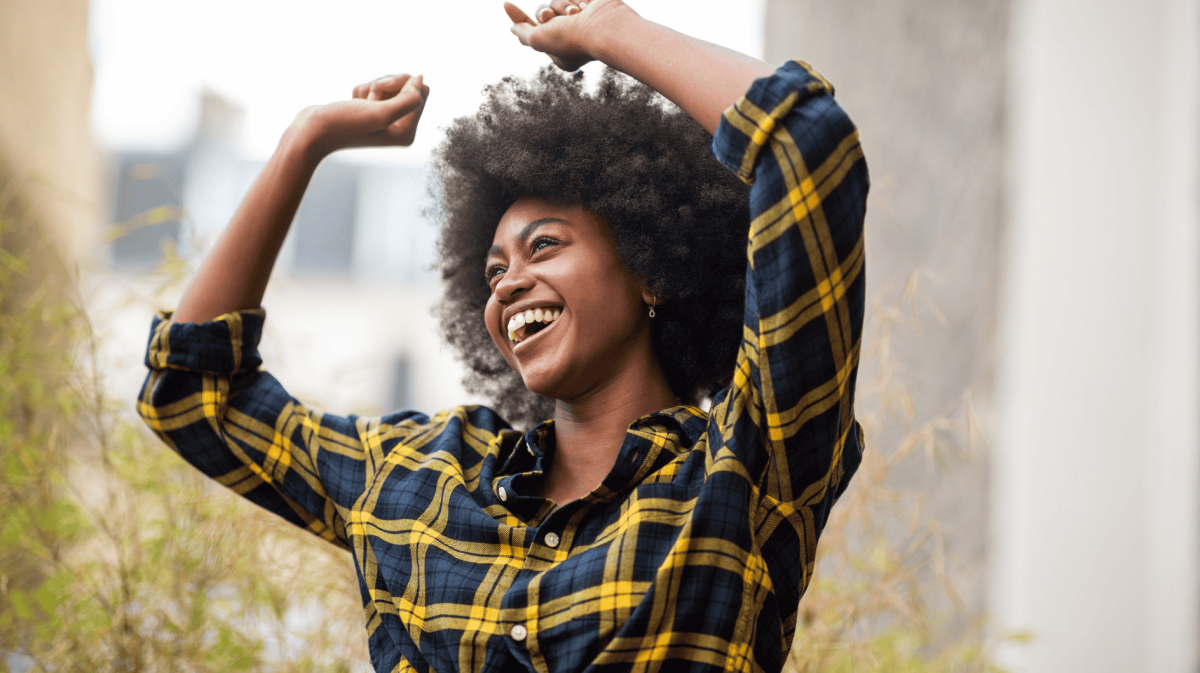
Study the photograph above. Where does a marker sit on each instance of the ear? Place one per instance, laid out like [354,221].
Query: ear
[649,299]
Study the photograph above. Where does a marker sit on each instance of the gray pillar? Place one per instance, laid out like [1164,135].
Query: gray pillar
[1096,468]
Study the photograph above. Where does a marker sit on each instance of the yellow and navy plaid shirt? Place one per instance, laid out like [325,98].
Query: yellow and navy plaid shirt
[693,553]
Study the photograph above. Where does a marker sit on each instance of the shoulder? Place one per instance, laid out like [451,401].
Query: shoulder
[472,427]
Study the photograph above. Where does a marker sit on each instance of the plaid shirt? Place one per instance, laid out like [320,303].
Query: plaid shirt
[695,550]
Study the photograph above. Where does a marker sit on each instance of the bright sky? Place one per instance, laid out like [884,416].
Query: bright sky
[273,58]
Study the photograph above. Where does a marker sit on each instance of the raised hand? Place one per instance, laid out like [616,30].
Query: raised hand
[235,273]
[702,78]
[567,31]
[383,112]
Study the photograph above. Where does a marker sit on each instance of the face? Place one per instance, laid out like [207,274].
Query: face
[563,311]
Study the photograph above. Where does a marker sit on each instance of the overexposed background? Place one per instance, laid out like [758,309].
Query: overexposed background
[153,58]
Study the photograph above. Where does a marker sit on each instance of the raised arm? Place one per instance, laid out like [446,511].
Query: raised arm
[234,275]
[700,77]
[787,420]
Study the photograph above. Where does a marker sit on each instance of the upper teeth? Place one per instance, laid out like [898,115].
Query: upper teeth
[522,319]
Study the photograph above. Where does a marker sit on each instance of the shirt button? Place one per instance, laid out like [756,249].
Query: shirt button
[518,632]
[551,539]
[503,493]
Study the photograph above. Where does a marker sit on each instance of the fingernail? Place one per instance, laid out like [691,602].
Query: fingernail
[583,4]
[572,10]
[542,16]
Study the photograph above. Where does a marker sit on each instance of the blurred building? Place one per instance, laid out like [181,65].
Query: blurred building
[349,324]
[1038,159]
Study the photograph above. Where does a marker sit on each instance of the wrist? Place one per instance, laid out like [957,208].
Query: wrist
[303,142]
[609,39]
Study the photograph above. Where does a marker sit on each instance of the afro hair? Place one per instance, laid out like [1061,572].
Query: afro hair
[678,219]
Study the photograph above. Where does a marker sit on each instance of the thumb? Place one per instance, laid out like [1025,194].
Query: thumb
[523,26]
[517,15]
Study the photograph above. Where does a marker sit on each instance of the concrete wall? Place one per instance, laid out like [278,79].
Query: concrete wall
[45,91]
[1097,465]
[924,81]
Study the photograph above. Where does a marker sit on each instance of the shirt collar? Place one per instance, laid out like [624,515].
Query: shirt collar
[651,442]
[529,453]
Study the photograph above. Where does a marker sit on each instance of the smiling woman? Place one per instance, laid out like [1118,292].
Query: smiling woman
[593,256]
[676,217]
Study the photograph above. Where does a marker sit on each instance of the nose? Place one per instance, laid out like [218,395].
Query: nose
[513,282]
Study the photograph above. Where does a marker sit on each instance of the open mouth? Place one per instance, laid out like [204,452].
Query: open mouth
[528,323]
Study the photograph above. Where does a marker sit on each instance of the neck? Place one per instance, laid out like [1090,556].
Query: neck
[589,430]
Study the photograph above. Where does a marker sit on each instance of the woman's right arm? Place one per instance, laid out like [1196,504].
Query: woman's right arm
[205,395]
[234,275]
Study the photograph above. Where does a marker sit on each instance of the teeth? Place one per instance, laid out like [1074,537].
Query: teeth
[520,320]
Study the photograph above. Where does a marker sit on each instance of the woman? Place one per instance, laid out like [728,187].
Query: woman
[633,530]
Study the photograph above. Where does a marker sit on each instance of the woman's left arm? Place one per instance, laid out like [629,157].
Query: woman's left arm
[700,77]
[787,420]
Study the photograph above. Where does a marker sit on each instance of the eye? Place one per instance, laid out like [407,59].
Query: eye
[541,243]
[493,271]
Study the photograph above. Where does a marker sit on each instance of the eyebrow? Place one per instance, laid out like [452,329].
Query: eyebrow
[526,230]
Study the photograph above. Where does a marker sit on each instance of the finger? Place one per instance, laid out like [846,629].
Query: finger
[403,129]
[361,90]
[516,14]
[523,31]
[544,13]
[387,86]
[522,24]
[563,7]
[410,97]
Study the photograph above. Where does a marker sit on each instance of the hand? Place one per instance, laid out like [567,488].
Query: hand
[381,113]
[567,30]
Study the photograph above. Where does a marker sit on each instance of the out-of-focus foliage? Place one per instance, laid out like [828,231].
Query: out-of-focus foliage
[117,556]
[882,559]
[114,554]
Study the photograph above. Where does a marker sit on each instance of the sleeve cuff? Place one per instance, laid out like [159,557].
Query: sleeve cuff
[225,345]
[746,126]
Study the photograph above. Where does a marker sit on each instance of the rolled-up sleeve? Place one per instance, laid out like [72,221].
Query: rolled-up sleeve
[206,398]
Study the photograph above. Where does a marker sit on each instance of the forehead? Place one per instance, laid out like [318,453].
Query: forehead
[531,213]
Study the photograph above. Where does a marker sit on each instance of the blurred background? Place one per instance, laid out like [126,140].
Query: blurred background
[1031,371]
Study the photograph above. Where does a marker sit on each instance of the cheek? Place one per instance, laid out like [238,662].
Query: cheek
[491,319]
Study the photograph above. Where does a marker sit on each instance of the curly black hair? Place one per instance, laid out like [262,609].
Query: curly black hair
[678,218]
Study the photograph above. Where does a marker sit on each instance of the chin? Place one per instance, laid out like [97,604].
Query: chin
[544,383]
